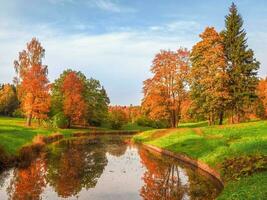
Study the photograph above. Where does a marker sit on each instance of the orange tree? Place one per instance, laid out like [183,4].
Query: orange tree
[165,91]
[74,105]
[90,91]
[262,101]
[32,81]
[209,78]
[8,99]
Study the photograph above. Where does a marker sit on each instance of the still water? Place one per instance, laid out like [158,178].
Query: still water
[107,168]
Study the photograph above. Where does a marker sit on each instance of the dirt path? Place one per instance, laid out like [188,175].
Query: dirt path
[161,133]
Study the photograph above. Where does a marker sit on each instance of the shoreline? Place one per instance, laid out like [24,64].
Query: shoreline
[187,160]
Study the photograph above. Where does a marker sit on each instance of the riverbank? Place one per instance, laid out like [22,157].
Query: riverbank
[238,152]
[16,138]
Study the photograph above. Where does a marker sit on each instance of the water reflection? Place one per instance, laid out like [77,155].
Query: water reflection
[164,179]
[28,183]
[106,168]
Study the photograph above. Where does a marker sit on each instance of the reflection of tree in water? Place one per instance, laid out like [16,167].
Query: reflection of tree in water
[116,146]
[161,180]
[200,187]
[166,181]
[75,167]
[28,183]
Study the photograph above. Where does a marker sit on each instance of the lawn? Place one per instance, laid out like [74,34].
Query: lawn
[14,134]
[241,148]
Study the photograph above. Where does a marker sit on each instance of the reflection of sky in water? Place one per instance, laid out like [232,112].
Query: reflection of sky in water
[121,178]
[5,179]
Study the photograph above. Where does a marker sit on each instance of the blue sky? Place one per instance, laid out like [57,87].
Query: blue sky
[114,41]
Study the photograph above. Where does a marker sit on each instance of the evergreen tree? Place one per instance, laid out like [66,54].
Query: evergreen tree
[242,66]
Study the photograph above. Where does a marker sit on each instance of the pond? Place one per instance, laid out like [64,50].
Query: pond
[105,167]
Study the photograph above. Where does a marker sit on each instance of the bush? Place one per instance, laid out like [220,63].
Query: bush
[17,113]
[60,121]
[144,121]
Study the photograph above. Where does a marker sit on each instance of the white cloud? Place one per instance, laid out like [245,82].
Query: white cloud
[120,60]
[111,6]
[177,27]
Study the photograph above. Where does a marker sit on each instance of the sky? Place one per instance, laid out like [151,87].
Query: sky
[115,41]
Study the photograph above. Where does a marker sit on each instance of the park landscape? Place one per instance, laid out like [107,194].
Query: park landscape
[64,139]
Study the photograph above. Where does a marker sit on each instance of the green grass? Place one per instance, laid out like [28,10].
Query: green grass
[14,134]
[248,188]
[134,126]
[193,124]
[215,144]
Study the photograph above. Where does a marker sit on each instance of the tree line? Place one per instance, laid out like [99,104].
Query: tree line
[217,79]
[70,99]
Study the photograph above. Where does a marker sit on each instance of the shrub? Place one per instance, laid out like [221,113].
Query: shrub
[17,113]
[145,121]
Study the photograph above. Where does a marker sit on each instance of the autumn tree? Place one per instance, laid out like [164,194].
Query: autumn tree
[94,94]
[209,78]
[165,91]
[117,116]
[241,65]
[28,183]
[8,99]
[261,104]
[74,105]
[33,85]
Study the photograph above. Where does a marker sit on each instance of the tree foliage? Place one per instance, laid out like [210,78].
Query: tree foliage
[117,117]
[94,96]
[32,83]
[209,78]
[165,91]
[241,65]
[261,104]
[74,104]
[8,99]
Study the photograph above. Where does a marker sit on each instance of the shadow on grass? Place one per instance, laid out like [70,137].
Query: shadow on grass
[193,124]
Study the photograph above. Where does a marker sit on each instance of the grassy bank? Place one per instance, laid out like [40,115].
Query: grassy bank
[14,134]
[238,152]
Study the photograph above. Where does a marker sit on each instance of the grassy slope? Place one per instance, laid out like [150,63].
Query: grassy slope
[133,126]
[213,145]
[13,133]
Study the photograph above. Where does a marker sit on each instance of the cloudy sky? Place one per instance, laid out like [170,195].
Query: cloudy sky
[114,41]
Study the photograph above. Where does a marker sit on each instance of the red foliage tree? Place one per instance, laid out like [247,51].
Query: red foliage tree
[33,85]
[74,105]
[165,91]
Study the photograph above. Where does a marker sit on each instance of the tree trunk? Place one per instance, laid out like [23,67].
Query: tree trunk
[221,118]
[173,119]
[69,123]
[29,120]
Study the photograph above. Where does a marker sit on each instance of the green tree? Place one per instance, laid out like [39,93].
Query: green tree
[97,101]
[242,66]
